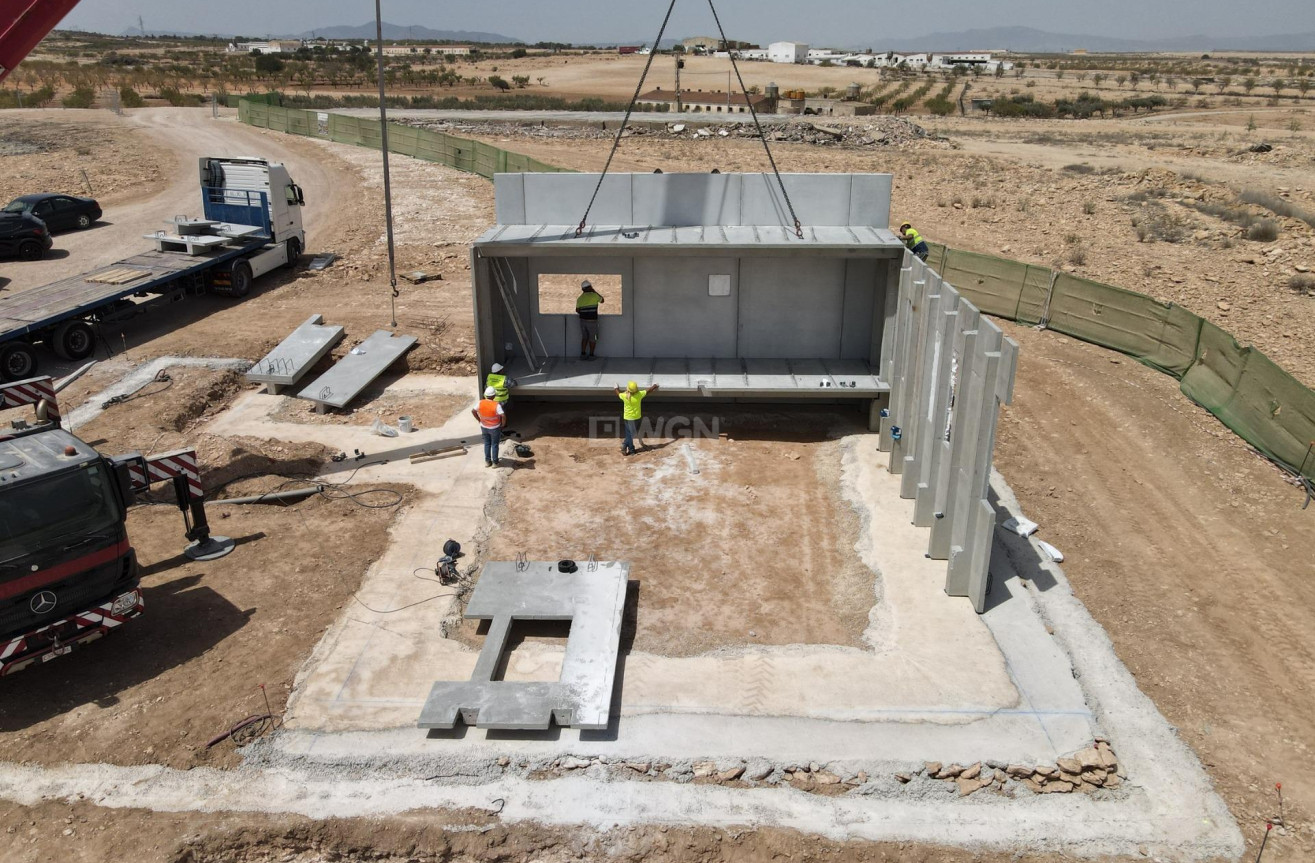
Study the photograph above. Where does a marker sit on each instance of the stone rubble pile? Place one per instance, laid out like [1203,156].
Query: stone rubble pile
[854,132]
[1085,771]
[1089,770]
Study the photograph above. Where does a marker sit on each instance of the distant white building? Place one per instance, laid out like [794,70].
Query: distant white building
[788,52]
[912,61]
[743,54]
[281,46]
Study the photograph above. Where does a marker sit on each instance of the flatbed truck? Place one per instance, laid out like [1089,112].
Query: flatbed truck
[251,225]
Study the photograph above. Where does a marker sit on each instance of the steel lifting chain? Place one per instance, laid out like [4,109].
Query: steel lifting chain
[616,142]
[798,228]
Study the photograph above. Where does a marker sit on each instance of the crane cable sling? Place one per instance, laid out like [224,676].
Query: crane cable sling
[798,228]
[616,142]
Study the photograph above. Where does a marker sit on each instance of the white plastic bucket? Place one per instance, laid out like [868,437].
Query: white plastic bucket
[404,425]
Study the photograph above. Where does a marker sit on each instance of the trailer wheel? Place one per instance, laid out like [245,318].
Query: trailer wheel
[17,361]
[294,252]
[30,250]
[240,285]
[74,340]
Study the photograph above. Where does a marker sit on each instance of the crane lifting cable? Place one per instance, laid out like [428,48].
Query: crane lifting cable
[625,121]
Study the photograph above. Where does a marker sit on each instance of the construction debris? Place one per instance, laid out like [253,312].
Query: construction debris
[862,132]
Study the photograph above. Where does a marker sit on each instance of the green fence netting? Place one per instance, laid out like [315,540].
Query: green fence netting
[460,153]
[1262,403]
[1251,395]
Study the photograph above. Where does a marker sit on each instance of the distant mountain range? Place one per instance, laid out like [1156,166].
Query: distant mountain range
[1018,39]
[1031,40]
[392,32]
[398,31]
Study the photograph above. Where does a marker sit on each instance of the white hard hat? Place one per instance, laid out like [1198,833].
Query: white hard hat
[586,284]
[490,392]
[497,367]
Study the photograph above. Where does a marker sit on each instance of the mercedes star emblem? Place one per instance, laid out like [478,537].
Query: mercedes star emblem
[43,602]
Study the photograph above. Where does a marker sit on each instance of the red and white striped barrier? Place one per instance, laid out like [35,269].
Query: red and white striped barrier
[99,620]
[31,392]
[158,468]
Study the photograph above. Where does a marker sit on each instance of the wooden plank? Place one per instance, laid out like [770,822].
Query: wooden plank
[118,276]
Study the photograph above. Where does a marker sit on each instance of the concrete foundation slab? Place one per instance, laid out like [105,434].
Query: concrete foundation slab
[297,354]
[353,373]
[592,599]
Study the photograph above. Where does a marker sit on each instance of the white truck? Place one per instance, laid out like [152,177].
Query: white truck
[250,224]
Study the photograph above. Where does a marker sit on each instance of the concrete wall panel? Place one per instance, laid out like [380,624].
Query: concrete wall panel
[560,199]
[561,333]
[819,199]
[869,200]
[675,316]
[509,198]
[791,308]
[679,200]
[864,291]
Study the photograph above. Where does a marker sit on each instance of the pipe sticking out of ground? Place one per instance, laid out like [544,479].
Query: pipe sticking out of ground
[273,496]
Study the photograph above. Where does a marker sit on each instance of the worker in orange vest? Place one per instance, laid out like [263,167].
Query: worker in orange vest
[491,420]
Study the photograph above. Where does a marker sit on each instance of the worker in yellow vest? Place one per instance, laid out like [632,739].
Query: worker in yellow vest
[631,413]
[586,308]
[916,244]
[491,420]
[501,385]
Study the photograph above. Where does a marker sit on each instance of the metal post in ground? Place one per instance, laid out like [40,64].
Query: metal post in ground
[383,146]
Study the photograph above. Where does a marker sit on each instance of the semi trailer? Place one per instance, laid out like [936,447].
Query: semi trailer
[250,225]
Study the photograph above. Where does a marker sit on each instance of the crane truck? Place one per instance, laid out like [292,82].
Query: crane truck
[250,225]
[68,572]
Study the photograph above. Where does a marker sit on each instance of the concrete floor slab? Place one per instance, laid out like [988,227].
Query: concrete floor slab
[929,661]
[591,599]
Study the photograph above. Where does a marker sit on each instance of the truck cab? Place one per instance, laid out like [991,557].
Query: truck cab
[67,571]
[232,189]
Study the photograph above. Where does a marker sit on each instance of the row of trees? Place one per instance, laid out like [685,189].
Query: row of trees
[1083,107]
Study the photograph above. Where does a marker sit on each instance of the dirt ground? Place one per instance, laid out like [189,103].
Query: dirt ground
[243,620]
[683,532]
[78,833]
[425,410]
[1194,555]
[92,156]
[1190,550]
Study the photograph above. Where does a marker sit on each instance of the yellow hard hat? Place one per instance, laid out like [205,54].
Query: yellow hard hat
[632,387]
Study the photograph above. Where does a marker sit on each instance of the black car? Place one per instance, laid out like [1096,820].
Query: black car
[23,236]
[59,212]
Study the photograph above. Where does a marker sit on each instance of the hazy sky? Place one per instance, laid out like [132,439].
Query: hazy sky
[819,22]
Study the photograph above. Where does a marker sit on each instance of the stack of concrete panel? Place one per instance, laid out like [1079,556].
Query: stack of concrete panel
[297,354]
[952,368]
[354,372]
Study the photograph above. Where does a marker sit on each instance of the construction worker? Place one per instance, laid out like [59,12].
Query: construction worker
[491,420]
[502,386]
[586,306]
[916,244]
[631,413]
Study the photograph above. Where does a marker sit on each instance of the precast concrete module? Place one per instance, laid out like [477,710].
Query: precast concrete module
[721,298]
